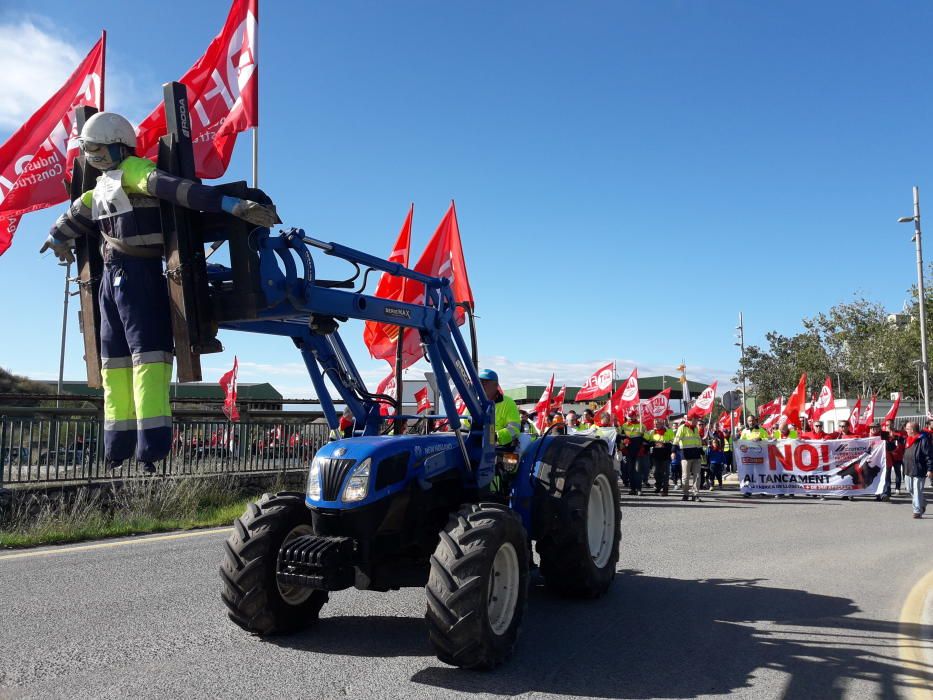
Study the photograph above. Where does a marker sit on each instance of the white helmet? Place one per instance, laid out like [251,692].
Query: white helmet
[108,127]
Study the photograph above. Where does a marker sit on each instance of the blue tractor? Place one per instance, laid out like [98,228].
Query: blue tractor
[448,511]
[451,511]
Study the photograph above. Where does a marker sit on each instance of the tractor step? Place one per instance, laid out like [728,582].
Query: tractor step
[313,561]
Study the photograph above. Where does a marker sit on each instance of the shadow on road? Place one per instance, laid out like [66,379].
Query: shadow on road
[659,637]
[676,638]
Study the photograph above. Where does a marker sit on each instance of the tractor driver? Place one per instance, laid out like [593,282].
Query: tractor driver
[508,419]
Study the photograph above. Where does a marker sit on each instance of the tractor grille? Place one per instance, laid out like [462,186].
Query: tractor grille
[333,472]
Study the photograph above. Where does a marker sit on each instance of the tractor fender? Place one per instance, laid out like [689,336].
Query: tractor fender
[541,478]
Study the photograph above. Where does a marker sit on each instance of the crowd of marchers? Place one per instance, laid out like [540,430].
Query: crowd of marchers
[692,456]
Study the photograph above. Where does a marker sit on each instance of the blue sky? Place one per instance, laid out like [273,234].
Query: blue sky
[628,175]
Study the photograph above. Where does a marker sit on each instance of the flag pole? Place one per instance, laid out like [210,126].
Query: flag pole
[256,128]
[103,69]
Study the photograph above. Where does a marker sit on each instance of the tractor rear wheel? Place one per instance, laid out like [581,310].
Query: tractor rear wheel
[255,600]
[478,586]
[580,549]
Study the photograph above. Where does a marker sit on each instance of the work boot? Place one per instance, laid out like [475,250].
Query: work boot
[113,465]
[149,468]
[683,498]
[663,492]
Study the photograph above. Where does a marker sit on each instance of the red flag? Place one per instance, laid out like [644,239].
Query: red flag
[854,416]
[223,91]
[598,384]
[892,414]
[725,422]
[557,403]
[824,402]
[795,404]
[772,408]
[772,419]
[37,158]
[442,257]
[626,396]
[424,403]
[381,338]
[868,415]
[228,384]
[605,409]
[543,405]
[655,408]
[704,404]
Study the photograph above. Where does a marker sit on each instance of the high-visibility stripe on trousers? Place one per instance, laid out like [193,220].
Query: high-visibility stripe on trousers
[136,359]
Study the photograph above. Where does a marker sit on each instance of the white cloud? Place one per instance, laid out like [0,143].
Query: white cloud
[33,65]
[36,58]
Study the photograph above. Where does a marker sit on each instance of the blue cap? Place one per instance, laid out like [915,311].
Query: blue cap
[488,374]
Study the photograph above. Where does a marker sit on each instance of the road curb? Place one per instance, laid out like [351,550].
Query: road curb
[145,539]
[917,655]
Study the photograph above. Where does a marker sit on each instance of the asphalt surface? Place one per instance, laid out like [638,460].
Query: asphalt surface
[757,598]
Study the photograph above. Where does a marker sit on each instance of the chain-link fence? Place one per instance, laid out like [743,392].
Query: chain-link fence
[57,445]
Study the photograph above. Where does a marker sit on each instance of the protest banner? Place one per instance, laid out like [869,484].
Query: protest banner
[812,467]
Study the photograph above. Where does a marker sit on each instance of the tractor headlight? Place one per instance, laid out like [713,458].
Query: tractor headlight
[358,485]
[314,480]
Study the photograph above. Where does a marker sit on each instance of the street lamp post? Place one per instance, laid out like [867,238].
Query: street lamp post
[741,329]
[922,295]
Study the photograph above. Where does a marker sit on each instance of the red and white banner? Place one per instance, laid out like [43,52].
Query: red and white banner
[824,402]
[771,408]
[424,403]
[728,421]
[228,384]
[542,408]
[382,338]
[827,467]
[223,91]
[597,384]
[772,420]
[704,404]
[36,161]
[442,257]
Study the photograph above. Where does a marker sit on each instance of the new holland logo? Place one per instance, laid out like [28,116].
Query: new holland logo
[398,313]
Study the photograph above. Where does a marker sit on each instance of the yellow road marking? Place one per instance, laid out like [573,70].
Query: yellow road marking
[117,543]
[912,649]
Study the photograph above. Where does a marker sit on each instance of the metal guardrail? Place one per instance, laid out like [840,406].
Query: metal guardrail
[49,445]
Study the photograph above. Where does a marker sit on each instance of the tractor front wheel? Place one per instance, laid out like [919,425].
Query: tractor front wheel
[478,586]
[255,599]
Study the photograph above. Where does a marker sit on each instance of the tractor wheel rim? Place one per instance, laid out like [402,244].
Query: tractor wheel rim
[600,521]
[502,593]
[295,595]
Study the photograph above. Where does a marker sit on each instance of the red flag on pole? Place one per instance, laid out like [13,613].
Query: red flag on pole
[597,384]
[892,414]
[626,396]
[228,384]
[223,92]
[796,402]
[868,415]
[854,416]
[557,403]
[772,408]
[824,402]
[704,403]
[543,405]
[381,338]
[37,159]
[424,403]
[442,257]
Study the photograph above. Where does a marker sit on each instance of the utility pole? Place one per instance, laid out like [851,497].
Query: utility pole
[61,358]
[741,329]
[921,292]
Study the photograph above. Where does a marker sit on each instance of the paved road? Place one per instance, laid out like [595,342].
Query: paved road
[754,598]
